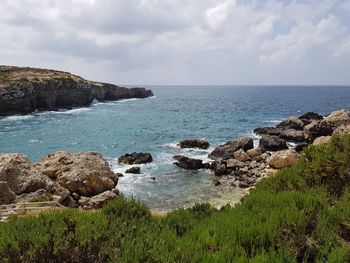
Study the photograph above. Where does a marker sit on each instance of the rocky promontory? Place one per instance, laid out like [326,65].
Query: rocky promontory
[24,90]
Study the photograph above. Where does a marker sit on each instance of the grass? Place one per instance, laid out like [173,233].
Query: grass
[300,215]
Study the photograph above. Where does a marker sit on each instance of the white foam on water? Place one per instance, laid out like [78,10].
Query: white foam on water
[275,121]
[17,117]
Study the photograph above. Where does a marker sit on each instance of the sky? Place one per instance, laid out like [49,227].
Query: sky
[182,42]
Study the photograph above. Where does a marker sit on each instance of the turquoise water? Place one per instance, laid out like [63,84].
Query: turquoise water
[156,124]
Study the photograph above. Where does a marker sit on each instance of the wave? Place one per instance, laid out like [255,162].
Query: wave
[17,117]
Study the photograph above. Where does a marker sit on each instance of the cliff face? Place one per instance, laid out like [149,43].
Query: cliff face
[24,90]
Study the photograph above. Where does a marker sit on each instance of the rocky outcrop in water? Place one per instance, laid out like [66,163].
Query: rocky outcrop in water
[64,176]
[25,90]
[135,158]
[194,143]
[190,163]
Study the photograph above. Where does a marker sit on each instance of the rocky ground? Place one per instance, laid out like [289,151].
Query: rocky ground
[24,90]
[85,179]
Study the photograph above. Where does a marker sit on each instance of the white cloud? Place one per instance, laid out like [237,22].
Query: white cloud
[343,50]
[216,15]
[301,38]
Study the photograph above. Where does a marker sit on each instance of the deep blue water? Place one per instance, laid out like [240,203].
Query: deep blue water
[156,124]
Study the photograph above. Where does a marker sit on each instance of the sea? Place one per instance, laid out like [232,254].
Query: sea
[157,124]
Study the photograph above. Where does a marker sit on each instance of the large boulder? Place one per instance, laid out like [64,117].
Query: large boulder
[189,163]
[255,152]
[337,118]
[195,143]
[309,116]
[135,158]
[84,173]
[227,150]
[272,143]
[317,129]
[96,201]
[342,130]
[291,123]
[282,159]
[241,155]
[7,196]
[133,170]
[284,133]
[322,140]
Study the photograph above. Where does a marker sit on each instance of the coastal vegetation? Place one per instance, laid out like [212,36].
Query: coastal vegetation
[302,214]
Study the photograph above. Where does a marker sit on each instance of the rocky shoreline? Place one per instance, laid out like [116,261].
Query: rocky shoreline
[25,90]
[85,180]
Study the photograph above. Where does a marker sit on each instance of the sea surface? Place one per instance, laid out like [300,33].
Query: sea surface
[157,124]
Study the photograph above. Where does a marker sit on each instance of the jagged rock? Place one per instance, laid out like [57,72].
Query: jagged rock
[243,185]
[76,196]
[255,152]
[309,116]
[7,196]
[96,201]
[272,143]
[282,159]
[241,155]
[337,118]
[342,130]
[24,90]
[292,123]
[234,163]
[135,158]
[317,129]
[195,143]
[84,173]
[218,168]
[133,170]
[300,147]
[227,150]
[322,140]
[287,134]
[189,163]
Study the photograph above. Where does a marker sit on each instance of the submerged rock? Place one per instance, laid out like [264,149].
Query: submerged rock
[135,158]
[195,143]
[133,170]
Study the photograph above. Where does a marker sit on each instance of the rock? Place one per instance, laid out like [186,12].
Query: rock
[7,196]
[241,155]
[271,172]
[195,143]
[76,196]
[133,170]
[243,185]
[96,201]
[317,129]
[153,178]
[234,164]
[322,140]
[337,118]
[300,147]
[311,116]
[188,163]
[287,134]
[218,168]
[255,152]
[24,90]
[342,130]
[292,123]
[283,159]
[135,158]
[84,173]
[115,191]
[216,182]
[227,150]
[272,143]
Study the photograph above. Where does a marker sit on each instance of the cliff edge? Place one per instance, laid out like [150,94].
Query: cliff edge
[24,90]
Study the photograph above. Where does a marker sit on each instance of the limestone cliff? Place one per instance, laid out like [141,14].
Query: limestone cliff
[24,90]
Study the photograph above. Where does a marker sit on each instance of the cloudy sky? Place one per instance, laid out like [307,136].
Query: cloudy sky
[182,41]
